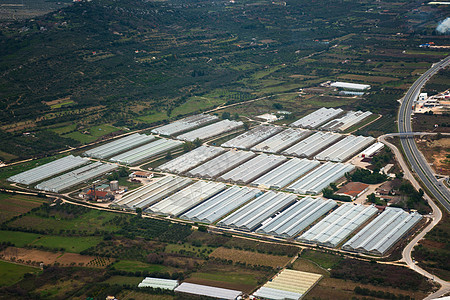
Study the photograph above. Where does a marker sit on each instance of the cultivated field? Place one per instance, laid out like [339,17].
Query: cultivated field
[250,258]
[15,205]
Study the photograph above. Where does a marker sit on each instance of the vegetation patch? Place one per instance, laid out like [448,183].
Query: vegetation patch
[250,258]
[11,273]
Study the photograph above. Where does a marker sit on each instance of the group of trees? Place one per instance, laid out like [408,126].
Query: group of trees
[366,176]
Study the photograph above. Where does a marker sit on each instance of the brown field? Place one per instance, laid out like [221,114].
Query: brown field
[252,258]
[16,205]
[305,265]
[436,152]
[336,289]
[63,259]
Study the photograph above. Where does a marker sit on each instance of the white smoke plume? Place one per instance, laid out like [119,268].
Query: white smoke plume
[444,26]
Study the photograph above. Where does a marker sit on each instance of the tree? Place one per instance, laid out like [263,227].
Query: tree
[168,155]
[197,142]
[139,212]
[277,106]
[226,115]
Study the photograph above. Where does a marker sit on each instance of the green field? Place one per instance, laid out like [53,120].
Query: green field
[70,244]
[88,222]
[95,132]
[11,273]
[324,260]
[133,266]
[12,205]
[19,239]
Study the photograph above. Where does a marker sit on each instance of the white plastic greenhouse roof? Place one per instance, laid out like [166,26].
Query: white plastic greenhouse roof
[338,225]
[297,217]
[317,118]
[253,214]
[221,164]
[318,179]
[383,232]
[184,124]
[204,290]
[210,130]
[191,159]
[158,283]
[253,168]
[146,151]
[281,140]
[153,192]
[119,145]
[218,206]
[252,137]
[348,120]
[344,149]
[351,86]
[286,173]
[187,198]
[48,170]
[75,177]
[276,294]
[312,144]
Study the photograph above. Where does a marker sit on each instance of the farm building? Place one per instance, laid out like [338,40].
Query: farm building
[348,120]
[221,164]
[185,124]
[297,217]
[318,179]
[353,189]
[372,150]
[151,193]
[383,232]
[120,145]
[312,144]
[252,137]
[208,291]
[281,140]
[254,213]
[350,86]
[146,151]
[211,130]
[285,173]
[288,285]
[253,168]
[75,177]
[158,283]
[346,148]
[317,118]
[337,226]
[191,159]
[187,198]
[48,170]
[221,204]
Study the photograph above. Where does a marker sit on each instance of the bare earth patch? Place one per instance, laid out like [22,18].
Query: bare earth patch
[63,259]
[436,152]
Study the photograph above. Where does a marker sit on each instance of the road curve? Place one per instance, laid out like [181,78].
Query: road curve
[436,216]
[417,161]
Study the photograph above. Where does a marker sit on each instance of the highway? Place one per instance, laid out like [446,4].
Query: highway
[415,158]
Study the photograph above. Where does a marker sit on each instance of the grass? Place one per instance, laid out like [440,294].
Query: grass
[95,132]
[90,222]
[231,277]
[70,244]
[134,265]
[196,104]
[59,105]
[11,273]
[153,117]
[19,239]
[7,156]
[325,260]
[64,129]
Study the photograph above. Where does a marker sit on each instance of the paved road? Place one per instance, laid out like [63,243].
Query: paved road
[436,216]
[417,161]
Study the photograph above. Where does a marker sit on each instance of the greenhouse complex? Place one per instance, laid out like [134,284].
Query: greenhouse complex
[266,181]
